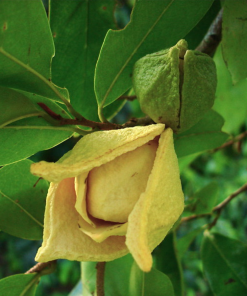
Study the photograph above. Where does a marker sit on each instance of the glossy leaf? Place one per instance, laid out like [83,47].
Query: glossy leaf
[88,278]
[117,276]
[205,135]
[231,100]
[168,262]
[26,48]
[153,283]
[78,29]
[22,201]
[224,264]
[16,107]
[19,285]
[203,201]
[197,34]
[26,137]
[151,29]
[234,41]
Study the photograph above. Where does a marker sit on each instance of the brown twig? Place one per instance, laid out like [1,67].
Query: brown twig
[218,208]
[213,37]
[100,278]
[93,124]
[128,98]
[138,121]
[39,267]
[229,143]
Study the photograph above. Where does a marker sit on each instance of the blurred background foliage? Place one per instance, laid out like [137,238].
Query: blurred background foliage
[226,167]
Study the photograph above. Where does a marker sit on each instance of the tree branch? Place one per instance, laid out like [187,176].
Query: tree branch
[213,37]
[128,98]
[100,278]
[229,143]
[42,267]
[218,208]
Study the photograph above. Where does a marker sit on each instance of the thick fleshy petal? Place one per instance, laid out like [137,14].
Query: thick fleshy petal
[159,206]
[81,196]
[62,237]
[103,229]
[96,149]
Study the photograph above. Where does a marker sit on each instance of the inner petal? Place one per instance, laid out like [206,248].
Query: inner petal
[115,187]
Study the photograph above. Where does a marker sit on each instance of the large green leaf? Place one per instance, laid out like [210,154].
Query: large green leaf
[197,34]
[231,100]
[203,201]
[153,283]
[224,263]
[234,41]
[78,29]
[19,285]
[26,48]
[88,278]
[16,106]
[151,29]
[168,262]
[117,276]
[26,137]
[22,201]
[205,135]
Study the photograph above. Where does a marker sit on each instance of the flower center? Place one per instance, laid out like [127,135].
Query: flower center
[115,187]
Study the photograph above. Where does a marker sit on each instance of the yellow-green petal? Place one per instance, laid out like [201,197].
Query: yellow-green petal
[159,206]
[63,238]
[94,150]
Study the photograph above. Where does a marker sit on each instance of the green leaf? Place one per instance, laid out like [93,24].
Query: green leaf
[26,48]
[184,242]
[22,201]
[19,285]
[205,135]
[153,283]
[116,279]
[16,106]
[26,137]
[231,100]
[78,28]
[88,278]
[77,291]
[117,276]
[224,264]
[197,34]
[234,41]
[151,29]
[168,262]
[204,200]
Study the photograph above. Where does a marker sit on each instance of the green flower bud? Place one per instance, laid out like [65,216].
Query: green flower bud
[175,86]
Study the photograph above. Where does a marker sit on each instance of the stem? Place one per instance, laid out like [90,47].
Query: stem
[218,208]
[229,143]
[40,267]
[100,278]
[128,98]
[213,37]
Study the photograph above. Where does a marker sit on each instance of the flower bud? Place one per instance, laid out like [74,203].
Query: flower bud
[175,86]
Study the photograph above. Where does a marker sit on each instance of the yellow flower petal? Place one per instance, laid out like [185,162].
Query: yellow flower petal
[103,229]
[81,195]
[159,206]
[62,236]
[94,150]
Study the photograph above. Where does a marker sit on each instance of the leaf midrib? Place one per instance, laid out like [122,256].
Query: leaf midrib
[23,209]
[226,261]
[133,53]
